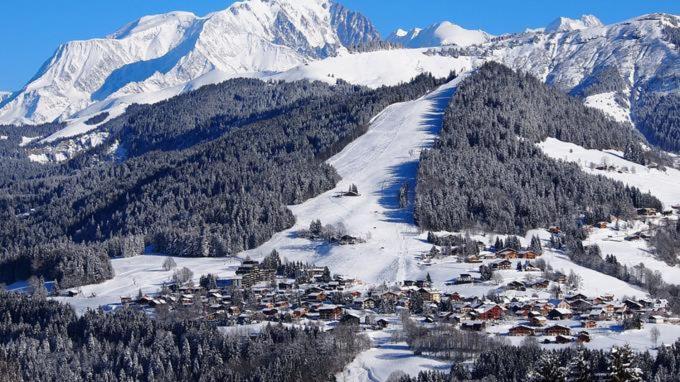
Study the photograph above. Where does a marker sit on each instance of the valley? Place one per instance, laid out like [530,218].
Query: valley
[273,191]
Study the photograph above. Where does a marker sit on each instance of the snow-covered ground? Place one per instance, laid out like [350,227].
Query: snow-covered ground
[631,253]
[665,185]
[606,102]
[378,162]
[386,357]
[143,273]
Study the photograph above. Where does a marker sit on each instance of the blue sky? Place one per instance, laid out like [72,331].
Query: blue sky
[32,29]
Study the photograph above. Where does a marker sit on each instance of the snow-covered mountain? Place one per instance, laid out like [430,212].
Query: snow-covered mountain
[444,33]
[4,95]
[565,24]
[162,51]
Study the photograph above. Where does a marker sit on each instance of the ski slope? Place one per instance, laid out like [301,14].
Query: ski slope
[378,162]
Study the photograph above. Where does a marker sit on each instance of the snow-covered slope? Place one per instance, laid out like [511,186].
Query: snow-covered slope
[565,24]
[162,51]
[444,33]
[4,95]
[665,185]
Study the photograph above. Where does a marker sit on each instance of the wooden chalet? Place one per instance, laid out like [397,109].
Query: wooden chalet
[521,330]
[557,330]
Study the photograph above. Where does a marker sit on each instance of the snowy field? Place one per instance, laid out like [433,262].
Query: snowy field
[146,273]
[386,357]
[665,185]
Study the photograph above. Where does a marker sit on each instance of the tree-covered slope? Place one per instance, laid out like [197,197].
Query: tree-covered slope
[219,185]
[485,171]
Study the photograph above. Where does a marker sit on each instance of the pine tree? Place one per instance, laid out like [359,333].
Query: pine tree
[579,369]
[499,244]
[536,245]
[547,369]
[622,367]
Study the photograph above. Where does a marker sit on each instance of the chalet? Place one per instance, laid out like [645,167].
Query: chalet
[364,303]
[541,284]
[474,326]
[382,323]
[329,312]
[389,296]
[598,315]
[350,319]
[502,265]
[125,300]
[583,337]
[656,319]
[576,297]
[507,253]
[560,314]
[554,230]
[581,305]
[430,295]
[285,285]
[516,285]
[633,305]
[521,330]
[529,255]
[464,278]
[557,330]
[489,312]
[455,296]
[316,296]
[560,339]
[589,324]
[601,225]
[538,321]
[473,259]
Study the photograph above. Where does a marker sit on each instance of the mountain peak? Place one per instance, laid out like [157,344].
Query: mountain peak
[164,51]
[565,24]
[444,33]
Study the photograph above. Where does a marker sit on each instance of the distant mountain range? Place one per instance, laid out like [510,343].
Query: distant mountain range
[157,57]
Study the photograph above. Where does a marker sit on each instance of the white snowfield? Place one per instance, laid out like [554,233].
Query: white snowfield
[387,357]
[665,185]
[143,273]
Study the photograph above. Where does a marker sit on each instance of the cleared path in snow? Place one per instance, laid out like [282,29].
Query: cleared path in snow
[378,162]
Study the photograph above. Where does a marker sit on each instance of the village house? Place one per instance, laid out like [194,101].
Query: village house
[364,303]
[560,314]
[507,253]
[464,278]
[538,321]
[430,295]
[557,330]
[502,265]
[329,312]
[489,312]
[521,330]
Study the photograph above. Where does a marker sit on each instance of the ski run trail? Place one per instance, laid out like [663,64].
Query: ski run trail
[379,163]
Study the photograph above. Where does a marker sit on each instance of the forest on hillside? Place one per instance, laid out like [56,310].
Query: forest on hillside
[485,170]
[209,173]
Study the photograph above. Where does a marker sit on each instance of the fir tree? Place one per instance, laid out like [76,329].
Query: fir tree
[622,367]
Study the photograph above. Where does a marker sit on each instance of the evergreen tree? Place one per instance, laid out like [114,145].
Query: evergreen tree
[547,369]
[579,369]
[621,365]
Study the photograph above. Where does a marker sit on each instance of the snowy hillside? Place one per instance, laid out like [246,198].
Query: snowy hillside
[445,33]
[162,51]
